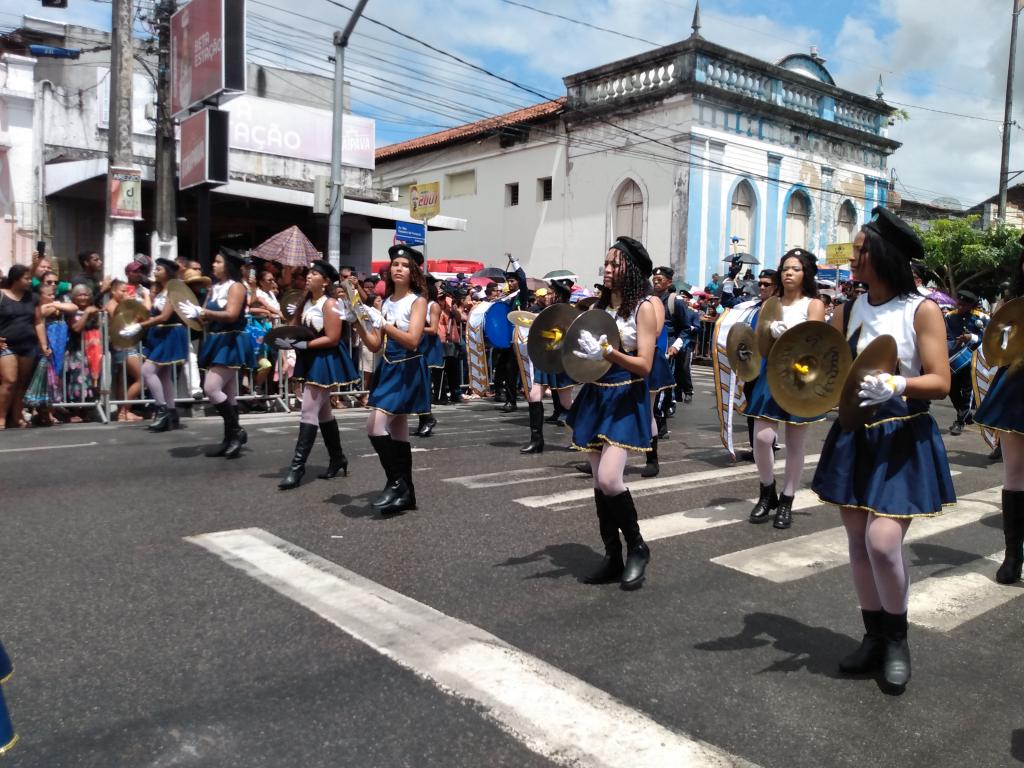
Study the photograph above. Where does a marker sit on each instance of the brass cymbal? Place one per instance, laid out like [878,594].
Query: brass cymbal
[586,303]
[347,294]
[1006,327]
[599,323]
[547,333]
[290,332]
[522,318]
[293,297]
[770,311]
[178,291]
[807,366]
[128,311]
[880,356]
[741,349]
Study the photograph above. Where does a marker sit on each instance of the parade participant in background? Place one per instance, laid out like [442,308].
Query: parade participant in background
[612,416]
[322,364]
[434,353]
[797,289]
[1002,411]
[661,281]
[964,328]
[517,297]
[560,383]
[401,383]
[766,288]
[894,469]
[226,348]
[659,382]
[164,346]
[686,322]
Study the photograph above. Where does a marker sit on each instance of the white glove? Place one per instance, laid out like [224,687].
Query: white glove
[283,343]
[189,310]
[290,309]
[516,266]
[370,315]
[777,328]
[875,390]
[590,348]
[342,310]
[130,330]
[300,344]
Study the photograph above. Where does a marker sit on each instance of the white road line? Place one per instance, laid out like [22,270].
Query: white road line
[803,556]
[946,601]
[656,485]
[510,477]
[703,518]
[552,713]
[48,447]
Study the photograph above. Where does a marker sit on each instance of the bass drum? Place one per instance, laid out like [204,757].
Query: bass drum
[497,328]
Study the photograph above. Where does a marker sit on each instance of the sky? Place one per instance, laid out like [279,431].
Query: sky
[943,61]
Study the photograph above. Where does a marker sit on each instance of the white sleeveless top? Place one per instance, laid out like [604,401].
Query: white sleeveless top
[313,314]
[627,327]
[796,312]
[160,301]
[219,293]
[399,312]
[894,318]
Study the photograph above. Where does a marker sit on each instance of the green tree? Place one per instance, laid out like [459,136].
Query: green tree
[964,256]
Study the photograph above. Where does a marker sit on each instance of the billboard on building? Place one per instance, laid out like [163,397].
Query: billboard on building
[207,52]
[425,200]
[204,149]
[125,193]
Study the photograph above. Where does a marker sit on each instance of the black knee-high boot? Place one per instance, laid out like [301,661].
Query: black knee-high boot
[536,444]
[403,494]
[426,425]
[332,439]
[1013,534]
[638,555]
[384,446]
[303,445]
[611,569]
[224,411]
[237,436]
[651,468]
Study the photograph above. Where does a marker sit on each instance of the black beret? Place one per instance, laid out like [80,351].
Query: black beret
[636,253]
[767,273]
[402,250]
[897,232]
[169,264]
[685,292]
[967,296]
[561,285]
[326,269]
[230,254]
[665,272]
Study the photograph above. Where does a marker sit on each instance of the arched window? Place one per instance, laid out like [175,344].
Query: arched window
[629,211]
[846,223]
[798,218]
[743,216]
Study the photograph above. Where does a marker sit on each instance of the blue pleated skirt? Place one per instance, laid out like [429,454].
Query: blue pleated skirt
[894,467]
[615,410]
[661,373]
[762,405]
[401,382]
[166,344]
[1003,406]
[554,380]
[331,367]
[433,350]
[7,735]
[232,349]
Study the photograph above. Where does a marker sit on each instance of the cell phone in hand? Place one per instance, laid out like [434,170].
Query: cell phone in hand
[41,248]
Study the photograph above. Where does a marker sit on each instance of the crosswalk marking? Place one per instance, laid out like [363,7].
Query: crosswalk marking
[945,602]
[551,712]
[803,556]
[704,518]
[510,477]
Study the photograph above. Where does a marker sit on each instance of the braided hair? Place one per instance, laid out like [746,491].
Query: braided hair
[634,287]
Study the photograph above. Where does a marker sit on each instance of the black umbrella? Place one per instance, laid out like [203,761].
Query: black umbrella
[744,258]
[491,273]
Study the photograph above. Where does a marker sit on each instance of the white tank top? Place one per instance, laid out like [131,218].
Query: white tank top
[627,327]
[894,318]
[796,312]
[313,314]
[399,312]
[219,293]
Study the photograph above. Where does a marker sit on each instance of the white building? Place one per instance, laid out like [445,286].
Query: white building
[18,178]
[686,148]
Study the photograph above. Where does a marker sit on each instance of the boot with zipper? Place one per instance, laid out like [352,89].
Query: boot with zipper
[332,439]
[304,444]
[536,444]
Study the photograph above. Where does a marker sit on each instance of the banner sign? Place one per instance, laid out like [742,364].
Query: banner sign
[207,52]
[125,193]
[729,398]
[839,253]
[425,200]
[204,149]
[409,233]
[476,349]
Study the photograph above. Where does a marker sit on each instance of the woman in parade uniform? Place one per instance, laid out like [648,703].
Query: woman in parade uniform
[659,380]
[164,345]
[401,384]
[226,348]
[560,383]
[797,290]
[1002,411]
[8,738]
[322,365]
[433,351]
[894,469]
[612,416]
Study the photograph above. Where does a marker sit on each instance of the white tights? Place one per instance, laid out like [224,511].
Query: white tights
[880,574]
[380,423]
[607,468]
[221,384]
[536,395]
[1013,460]
[764,437]
[158,381]
[316,405]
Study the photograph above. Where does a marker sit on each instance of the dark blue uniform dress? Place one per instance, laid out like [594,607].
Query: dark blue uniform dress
[661,377]
[433,350]
[8,738]
[615,409]
[556,381]
[327,367]
[401,383]
[1003,407]
[896,465]
[226,343]
[167,343]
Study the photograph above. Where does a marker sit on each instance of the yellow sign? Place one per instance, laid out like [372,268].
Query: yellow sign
[425,200]
[839,253]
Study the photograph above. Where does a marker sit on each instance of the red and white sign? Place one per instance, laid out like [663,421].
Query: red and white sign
[204,149]
[207,52]
[125,193]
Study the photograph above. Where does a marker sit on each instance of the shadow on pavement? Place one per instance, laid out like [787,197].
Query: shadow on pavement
[936,554]
[1017,745]
[574,560]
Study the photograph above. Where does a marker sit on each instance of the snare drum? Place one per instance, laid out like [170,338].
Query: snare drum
[960,359]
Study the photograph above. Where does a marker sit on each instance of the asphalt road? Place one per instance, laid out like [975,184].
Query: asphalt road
[137,644]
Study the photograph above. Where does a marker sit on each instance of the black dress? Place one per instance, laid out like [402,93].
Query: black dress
[17,324]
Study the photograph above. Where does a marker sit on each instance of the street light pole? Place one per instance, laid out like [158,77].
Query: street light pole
[1004,165]
[337,180]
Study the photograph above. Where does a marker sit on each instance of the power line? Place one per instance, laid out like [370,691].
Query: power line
[583,23]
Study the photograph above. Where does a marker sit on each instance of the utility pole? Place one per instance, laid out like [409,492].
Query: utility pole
[337,180]
[165,240]
[119,242]
[1004,165]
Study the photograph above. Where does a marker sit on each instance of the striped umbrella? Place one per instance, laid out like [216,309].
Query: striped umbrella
[289,248]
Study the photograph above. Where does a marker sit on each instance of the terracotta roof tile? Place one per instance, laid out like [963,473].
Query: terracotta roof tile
[471,130]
